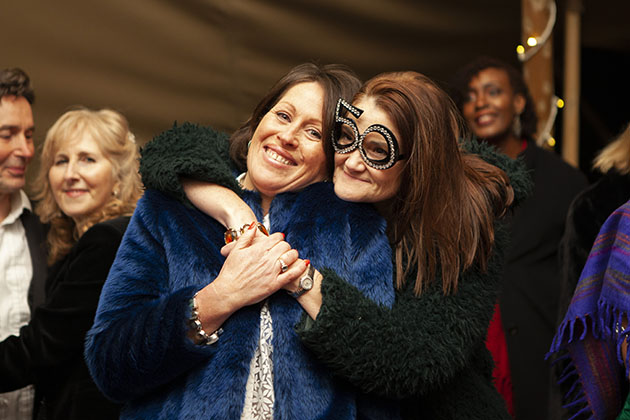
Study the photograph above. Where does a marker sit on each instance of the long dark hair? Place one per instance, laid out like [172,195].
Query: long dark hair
[448,200]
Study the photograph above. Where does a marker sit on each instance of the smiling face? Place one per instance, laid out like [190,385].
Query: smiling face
[286,151]
[81,177]
[491,105]
[356,181]
[16,142]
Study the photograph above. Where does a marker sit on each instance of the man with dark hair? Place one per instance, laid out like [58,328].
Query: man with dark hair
[22,236]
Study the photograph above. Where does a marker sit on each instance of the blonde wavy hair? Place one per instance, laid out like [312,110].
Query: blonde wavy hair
[616,155]
[111,130]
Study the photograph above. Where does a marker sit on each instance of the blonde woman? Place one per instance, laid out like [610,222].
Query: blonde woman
[87,188]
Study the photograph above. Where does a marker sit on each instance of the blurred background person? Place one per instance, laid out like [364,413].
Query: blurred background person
[86,188]
[22,236]
[590,209]
[496,104]
[587,213]
[592,340]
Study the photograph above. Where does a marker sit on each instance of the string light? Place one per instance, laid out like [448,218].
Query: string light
[545,135]
[537,42]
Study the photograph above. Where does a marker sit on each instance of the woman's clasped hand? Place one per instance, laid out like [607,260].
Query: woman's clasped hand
[253,269]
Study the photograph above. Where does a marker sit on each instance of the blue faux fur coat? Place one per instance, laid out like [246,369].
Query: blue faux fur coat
[138,352]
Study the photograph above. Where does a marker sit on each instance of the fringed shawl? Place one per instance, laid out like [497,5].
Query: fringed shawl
[589,338]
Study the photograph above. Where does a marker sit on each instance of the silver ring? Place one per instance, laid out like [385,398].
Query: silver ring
[283,265]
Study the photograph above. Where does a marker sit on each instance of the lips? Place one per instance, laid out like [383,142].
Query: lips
[352,177]
[74,193]
[485,119]
[17,171]
[279,156]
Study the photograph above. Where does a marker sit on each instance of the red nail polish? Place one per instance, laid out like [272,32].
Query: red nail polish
[307,262]
[282,235]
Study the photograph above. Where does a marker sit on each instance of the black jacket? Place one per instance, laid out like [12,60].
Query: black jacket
[36,239]
[531,282]
[49,350]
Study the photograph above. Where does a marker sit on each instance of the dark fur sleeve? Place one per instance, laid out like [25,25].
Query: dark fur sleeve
[421,343]
[418,345]
[186,150]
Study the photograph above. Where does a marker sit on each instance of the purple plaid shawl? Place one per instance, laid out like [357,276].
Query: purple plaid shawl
[590,335]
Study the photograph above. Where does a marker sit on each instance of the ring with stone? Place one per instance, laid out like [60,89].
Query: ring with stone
[283,266]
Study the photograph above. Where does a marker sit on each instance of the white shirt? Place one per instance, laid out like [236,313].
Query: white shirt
[16,273]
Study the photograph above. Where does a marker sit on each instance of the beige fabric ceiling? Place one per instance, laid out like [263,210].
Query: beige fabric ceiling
[208,61]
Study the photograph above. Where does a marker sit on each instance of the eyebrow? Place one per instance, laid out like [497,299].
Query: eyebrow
[13,127]
[293,108]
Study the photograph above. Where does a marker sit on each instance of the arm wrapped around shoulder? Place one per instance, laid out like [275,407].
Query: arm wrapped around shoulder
[187,150]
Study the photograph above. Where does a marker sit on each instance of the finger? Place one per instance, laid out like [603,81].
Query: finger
[272,239]
[287,259]
[283,266]
[247,237]
[226,249]
[278,249]
[293,273]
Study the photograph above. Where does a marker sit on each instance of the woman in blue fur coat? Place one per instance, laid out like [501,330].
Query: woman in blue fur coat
[182,332]
[428,349]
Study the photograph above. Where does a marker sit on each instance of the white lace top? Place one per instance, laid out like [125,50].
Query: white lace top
[259,395]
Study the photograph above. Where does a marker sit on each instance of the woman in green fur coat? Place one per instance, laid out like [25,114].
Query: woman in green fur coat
[396,146]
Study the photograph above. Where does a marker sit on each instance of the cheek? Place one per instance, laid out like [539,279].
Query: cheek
[505,106]
[339,160]
[468,111]
[315,158]
[106,179]
[390,183]
[4,153]
[54,178]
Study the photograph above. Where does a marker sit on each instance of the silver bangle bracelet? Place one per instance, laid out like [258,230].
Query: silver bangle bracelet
[201,337]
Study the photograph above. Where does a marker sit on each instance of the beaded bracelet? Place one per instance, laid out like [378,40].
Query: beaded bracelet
[231,235]
[201,337]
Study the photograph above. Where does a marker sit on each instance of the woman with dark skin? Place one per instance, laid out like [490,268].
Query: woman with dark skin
[496,104]
[394,143]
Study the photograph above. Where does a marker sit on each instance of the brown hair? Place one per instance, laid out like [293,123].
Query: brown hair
[337,81]
[118,145]
[15,82]
[447,201]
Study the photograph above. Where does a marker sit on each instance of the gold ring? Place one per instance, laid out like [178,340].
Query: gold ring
[283,266]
